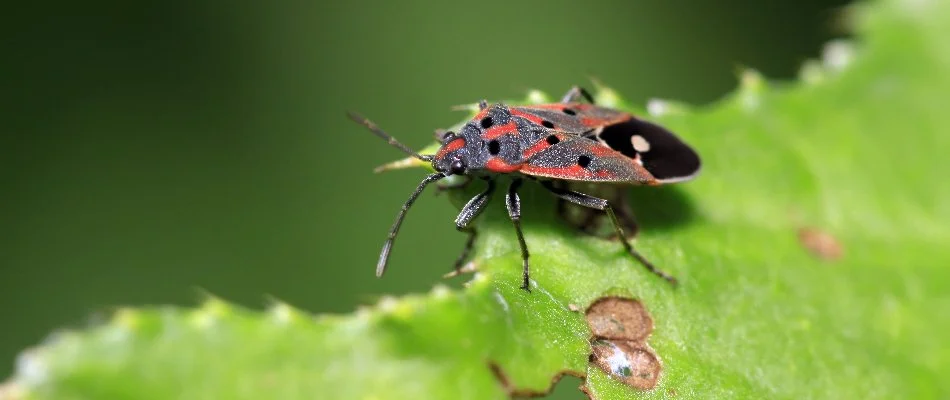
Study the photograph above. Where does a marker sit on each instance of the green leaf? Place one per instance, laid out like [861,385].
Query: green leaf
[767,308]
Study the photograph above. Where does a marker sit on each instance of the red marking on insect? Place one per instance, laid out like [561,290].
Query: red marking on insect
[451,146]
[500,166]
[535,149]
[530,117]
[567,141]
[560,106]
[602,151]
[481,114]
[594,122]
[500,130]
[573,172]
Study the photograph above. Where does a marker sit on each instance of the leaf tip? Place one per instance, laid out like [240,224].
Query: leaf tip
[126,318]
[395,307]
[606,96]
[31,368]
[538,97]
[211,311]
[812,72]
[837,55]
[751,87]
[660,107]
[283,313]
[440,291]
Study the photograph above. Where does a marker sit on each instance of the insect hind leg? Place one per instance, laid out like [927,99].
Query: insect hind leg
[601,204]
[575,94]
[592,222]
[513,203]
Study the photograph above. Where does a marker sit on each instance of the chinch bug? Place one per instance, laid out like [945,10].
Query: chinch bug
[566,141]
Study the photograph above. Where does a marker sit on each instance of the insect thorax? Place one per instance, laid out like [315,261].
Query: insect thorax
[493,138]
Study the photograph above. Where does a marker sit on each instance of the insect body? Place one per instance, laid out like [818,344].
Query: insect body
[566,141]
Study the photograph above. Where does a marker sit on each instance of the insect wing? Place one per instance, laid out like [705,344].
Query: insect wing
[659,151]
[570,118]
[583,159]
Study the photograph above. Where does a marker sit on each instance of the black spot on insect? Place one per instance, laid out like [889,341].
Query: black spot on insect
[486,122]
[552,140]
[494,147]
[583,161]
[569,111]
[547,124]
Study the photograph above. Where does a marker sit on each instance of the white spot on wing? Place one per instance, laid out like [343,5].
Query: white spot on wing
[640,144]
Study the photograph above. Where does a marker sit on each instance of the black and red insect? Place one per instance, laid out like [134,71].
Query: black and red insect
[566,141]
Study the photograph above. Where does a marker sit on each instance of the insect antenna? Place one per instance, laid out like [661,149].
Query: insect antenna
[388,245]
[359,119]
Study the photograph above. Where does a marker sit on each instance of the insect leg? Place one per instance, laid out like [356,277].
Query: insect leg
[589,224]
[472,209]
[561,210]
[601,204]
[575,94]
[627,220]
[582,220]
[513,203]
[388,245]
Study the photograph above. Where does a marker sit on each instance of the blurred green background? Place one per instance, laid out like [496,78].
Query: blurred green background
[152,151]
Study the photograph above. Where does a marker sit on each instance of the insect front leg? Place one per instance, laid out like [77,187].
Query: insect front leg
[575,94]
[513,203]
[601,204]
[388,244]
[472,209]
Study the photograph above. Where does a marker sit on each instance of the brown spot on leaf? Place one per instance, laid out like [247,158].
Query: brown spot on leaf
[619,318]
[821,244]
[620,328]
[630,362]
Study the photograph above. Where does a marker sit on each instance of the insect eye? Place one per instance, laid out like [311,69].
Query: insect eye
[448,135]
[457,168]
